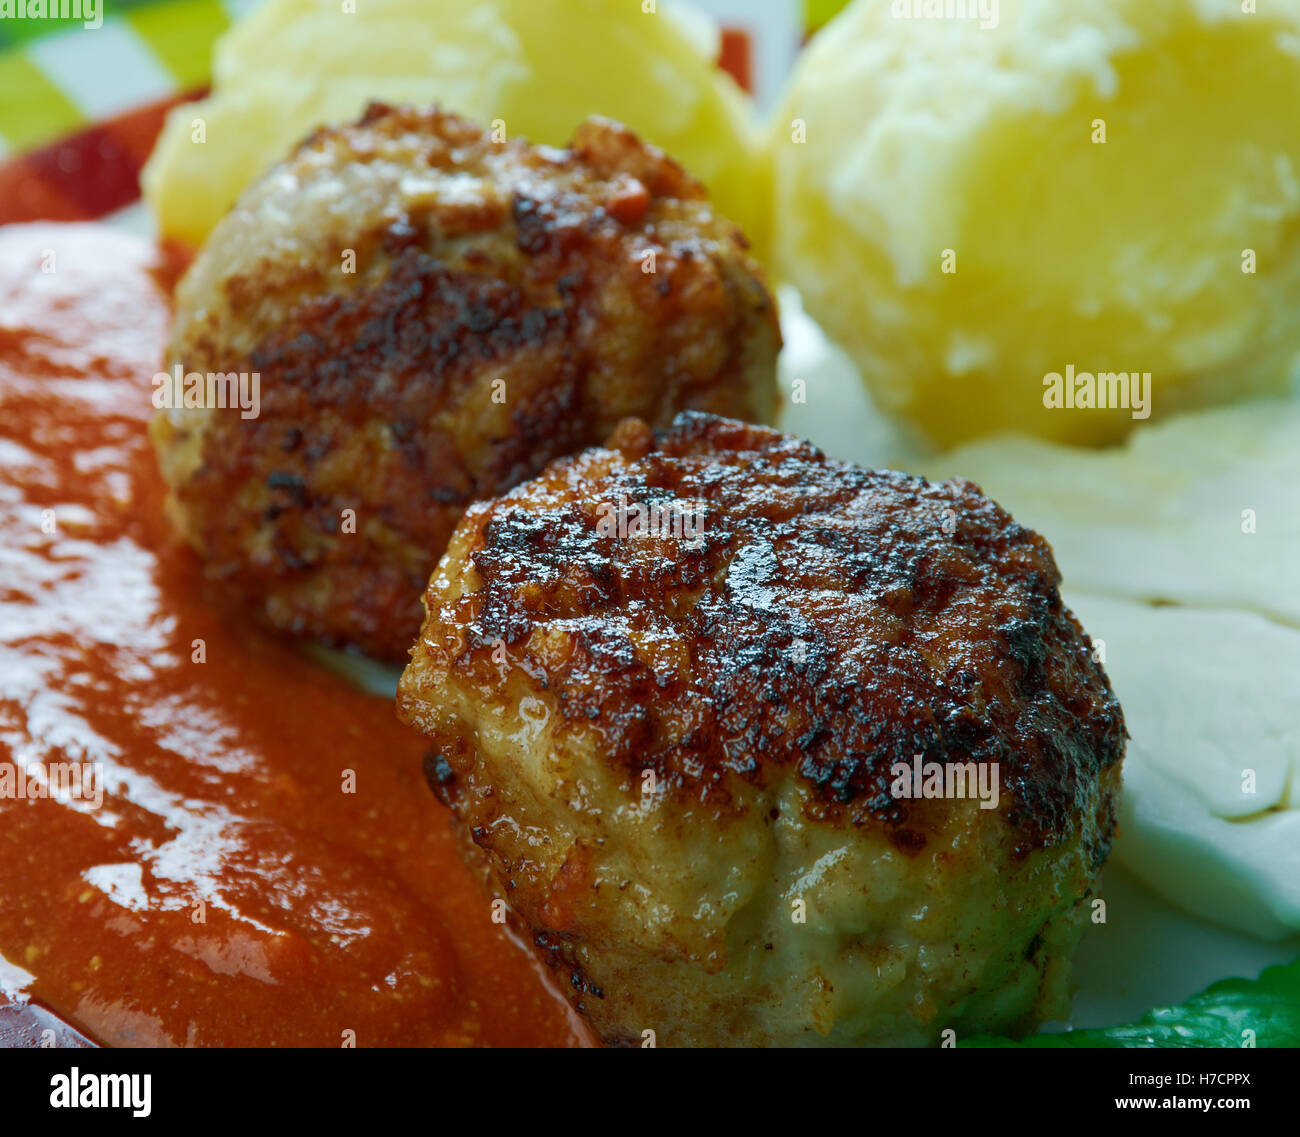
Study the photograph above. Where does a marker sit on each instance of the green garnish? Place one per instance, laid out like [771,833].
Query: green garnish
[1229,1013]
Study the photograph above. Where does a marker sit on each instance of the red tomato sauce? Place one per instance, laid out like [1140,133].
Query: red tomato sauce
[227,890]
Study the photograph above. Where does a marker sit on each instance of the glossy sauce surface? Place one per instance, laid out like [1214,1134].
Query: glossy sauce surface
[228,890]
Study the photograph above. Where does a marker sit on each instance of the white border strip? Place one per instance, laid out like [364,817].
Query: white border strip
[103,71]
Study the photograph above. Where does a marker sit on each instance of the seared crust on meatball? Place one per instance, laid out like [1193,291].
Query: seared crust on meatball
[669,685]
[433,316]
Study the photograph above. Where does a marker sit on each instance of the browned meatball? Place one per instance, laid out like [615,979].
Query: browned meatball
[433,316]
[670,686]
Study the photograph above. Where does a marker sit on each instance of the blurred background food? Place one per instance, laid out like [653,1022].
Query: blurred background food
[907,146]
[535,66]
[904,144]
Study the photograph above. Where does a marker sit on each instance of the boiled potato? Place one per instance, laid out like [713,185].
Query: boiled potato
[1098,187]
[538,67]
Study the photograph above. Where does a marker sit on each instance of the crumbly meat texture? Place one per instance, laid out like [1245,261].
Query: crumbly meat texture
[675,750]
[434,315]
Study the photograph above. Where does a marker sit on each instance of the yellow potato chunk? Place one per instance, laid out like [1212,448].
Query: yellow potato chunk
[531,68]
[974,207]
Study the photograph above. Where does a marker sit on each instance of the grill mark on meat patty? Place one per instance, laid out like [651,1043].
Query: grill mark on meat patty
[376,386]
[425,317]
[840,621]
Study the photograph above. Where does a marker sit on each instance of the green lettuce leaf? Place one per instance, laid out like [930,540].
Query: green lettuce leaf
[1219,1016]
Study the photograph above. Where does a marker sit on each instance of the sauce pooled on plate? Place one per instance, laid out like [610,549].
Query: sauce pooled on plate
[228,889]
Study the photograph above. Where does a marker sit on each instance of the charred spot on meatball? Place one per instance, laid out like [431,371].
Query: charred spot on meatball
[677,748]
[434,315]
